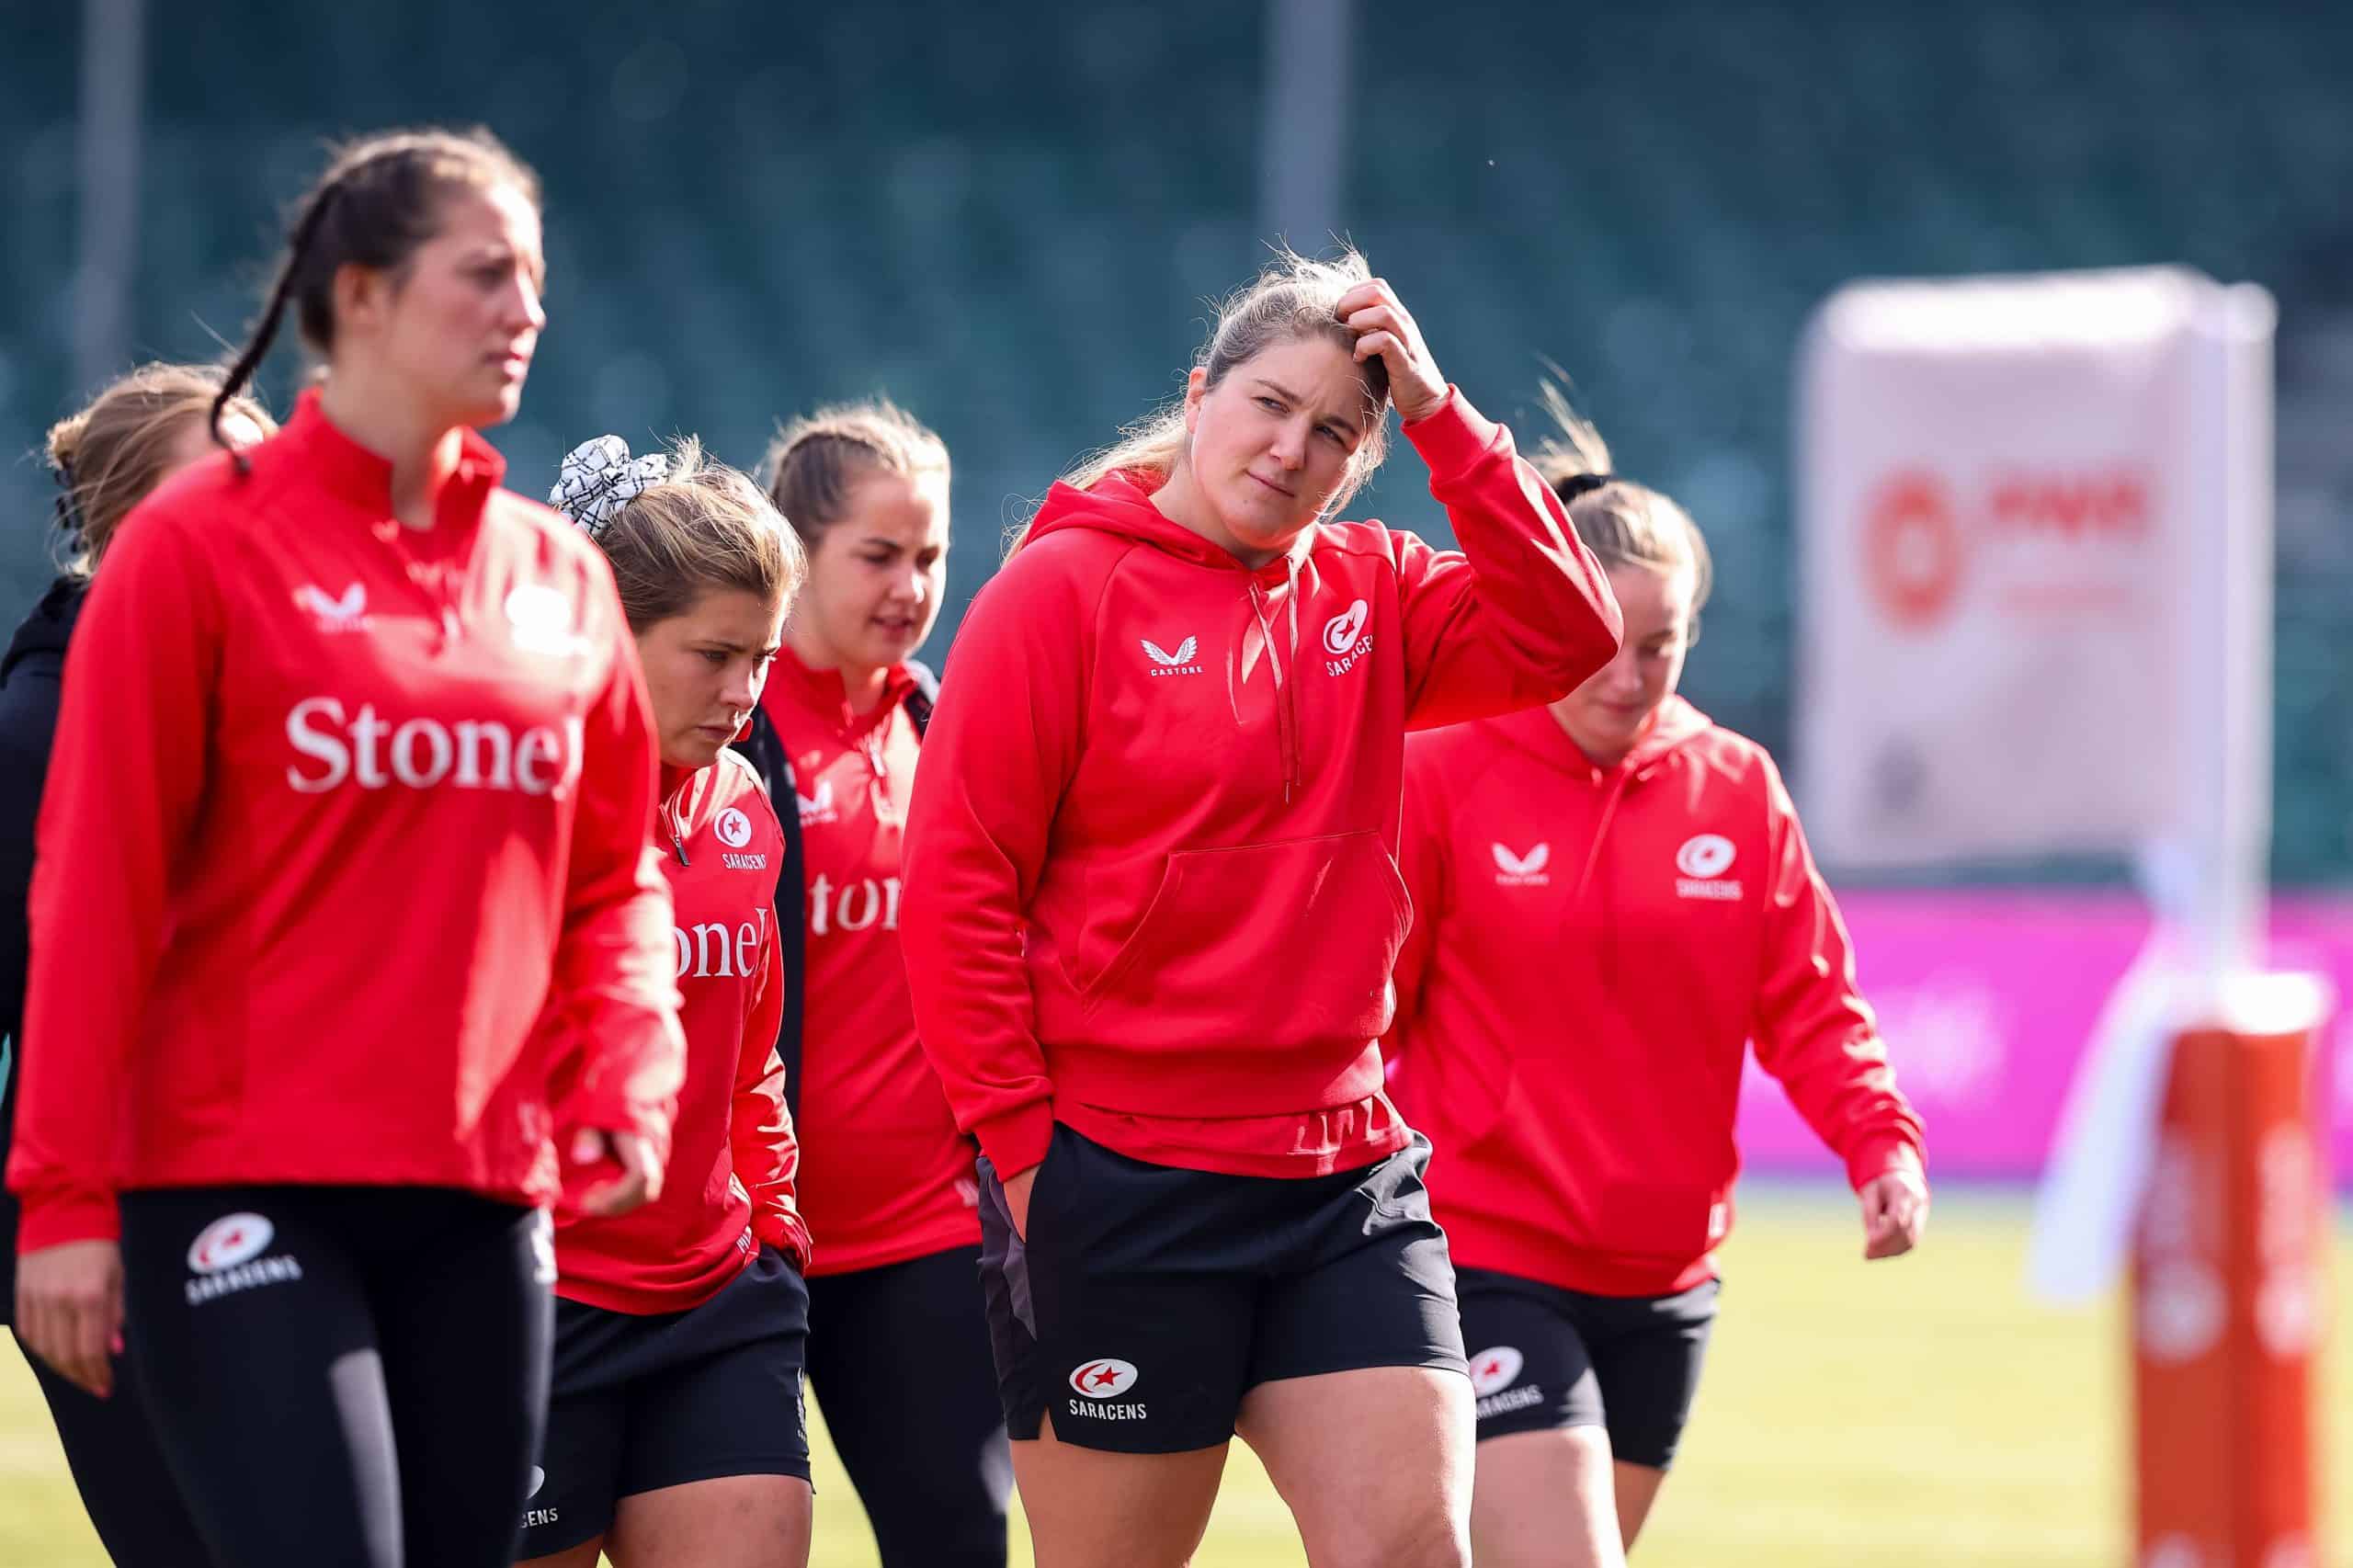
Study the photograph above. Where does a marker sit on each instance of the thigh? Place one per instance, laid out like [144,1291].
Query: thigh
[256,1343]
[1089,1507]
[467,1331]
[1375,1464]
[1544,1498]
[732,1521]
[1119,1320]
[132,1500]
[1530,1368]
[899,1358]
[1647,1362]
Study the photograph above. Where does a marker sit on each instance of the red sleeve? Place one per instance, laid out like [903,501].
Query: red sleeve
[1522,613]
[767,1159]
[613,983]
[126,778]
[993,776]
[1813,1031]
[1422,862]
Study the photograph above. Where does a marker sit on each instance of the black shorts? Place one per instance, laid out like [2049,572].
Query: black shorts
[642,1401]
[1147,1300]
[1545,1357]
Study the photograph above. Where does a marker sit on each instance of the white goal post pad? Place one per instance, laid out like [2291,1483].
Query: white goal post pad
[2012,492]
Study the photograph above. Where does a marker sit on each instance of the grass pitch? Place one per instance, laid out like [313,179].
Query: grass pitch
[1922,1412]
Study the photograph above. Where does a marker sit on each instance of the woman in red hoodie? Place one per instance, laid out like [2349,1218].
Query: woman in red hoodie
[1612,898]
[675,1432]
[353,777]
[1149,914]
[894,1325]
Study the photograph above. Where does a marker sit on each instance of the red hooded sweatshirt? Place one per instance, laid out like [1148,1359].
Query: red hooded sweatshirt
[892,1180]
[1152,890]
[1594,949]
[336,806]
[729,1186]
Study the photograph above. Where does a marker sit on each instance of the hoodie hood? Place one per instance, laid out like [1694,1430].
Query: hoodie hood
[1675,724]
[1120,504]
[46,627]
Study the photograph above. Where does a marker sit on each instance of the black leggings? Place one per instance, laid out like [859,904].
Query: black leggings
[899,1356]
[129,1493]
[343,1377]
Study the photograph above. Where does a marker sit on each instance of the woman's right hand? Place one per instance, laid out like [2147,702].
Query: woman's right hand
[640,1166]
[69,1309]
[1017,1200]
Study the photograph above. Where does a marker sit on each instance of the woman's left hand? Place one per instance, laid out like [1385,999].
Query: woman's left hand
[1895,1210]
[1384,326]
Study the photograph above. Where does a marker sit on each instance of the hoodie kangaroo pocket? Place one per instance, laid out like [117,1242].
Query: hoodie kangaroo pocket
[1677,1220]
[1263,945]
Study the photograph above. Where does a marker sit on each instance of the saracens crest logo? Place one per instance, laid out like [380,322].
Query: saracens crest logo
[226,1258]
[1345,639]
[734,829]
[1701,863]
[1107,1379]
[1101,1382]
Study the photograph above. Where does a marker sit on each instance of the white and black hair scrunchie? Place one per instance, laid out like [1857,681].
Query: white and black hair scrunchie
[599,478]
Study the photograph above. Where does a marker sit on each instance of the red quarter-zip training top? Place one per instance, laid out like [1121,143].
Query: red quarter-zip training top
[889,1178]
[336,807]
[732,1158]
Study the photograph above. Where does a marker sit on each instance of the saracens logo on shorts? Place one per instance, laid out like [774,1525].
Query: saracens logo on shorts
[1703,860]
[226,1258]
[539,1515]
[1492,1373]
[1497,1369]
[1105,1380]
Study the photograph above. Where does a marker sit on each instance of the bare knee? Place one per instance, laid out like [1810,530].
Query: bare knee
[1431,1540]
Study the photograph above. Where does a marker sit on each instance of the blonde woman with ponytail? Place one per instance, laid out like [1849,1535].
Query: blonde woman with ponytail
[1614,899]
[1151,907]
[143,429]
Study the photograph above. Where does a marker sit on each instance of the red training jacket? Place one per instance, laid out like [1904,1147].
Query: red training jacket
[1594,949]
[730,1183]
[1151,891]
[891,1178]
[336,807]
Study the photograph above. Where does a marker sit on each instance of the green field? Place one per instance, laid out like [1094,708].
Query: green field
[1921,1413]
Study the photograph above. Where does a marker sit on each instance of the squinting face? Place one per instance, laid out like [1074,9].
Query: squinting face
[704,668]
[1608,714]
[463,321]
[876,576]
[1274,441]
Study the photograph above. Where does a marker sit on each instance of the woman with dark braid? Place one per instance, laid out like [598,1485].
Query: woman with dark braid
[353,782]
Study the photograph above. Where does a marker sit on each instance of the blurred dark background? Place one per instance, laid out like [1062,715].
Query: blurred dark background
[1009,218]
